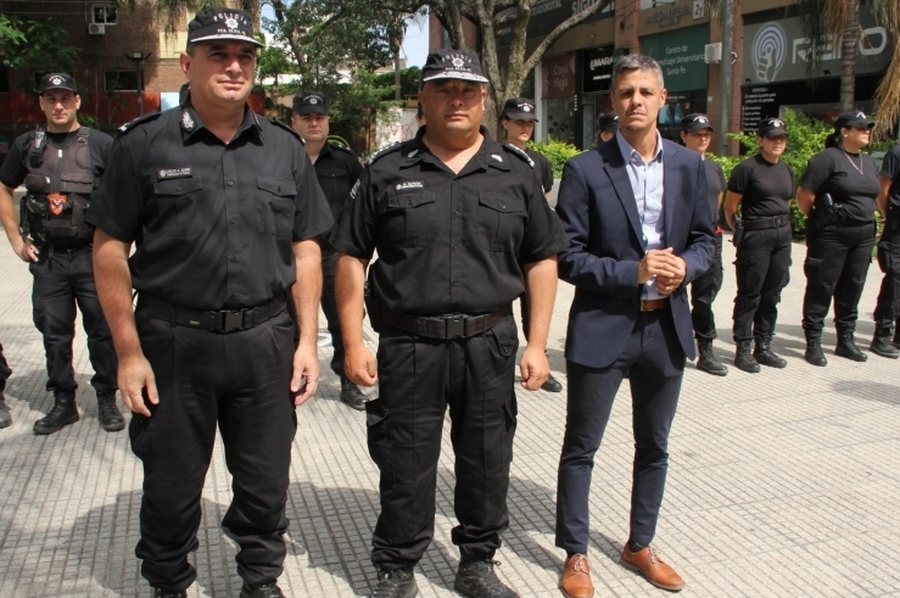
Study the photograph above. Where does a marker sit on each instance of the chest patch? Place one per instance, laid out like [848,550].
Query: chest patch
[410,185]
[173,173]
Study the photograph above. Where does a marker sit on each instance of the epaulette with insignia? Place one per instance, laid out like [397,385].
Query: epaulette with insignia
[138,121]
[342,147]
[286,127]
[519,152]
[380,153]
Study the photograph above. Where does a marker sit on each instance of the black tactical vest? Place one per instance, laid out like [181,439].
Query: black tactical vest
[59,183]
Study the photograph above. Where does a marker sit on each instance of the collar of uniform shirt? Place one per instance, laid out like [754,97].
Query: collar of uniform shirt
[628,152]
[485,156]
[191,123]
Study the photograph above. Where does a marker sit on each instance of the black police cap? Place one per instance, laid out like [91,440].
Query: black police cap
[518,109]
[696,121]
[608,122]
[771,127]
[219,23]
[453,64]
[306,102]
[57,81]
[854,119]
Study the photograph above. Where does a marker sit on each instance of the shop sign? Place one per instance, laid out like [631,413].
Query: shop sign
[547,14]
[680,53]
[559,76]
[778,50]
[597,71]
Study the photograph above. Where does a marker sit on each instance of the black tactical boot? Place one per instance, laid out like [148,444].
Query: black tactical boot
[62,414]
[706,359]
[743,359]
[352,396]
[765,356]
[266,590]
[478,580]
[881,344]
[5,417]
[160,593]
[846,347]
[399,583]
[896,340]
[814,354]
[110,417]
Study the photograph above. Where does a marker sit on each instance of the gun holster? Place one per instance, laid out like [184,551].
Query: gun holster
[373,306]
[738,232]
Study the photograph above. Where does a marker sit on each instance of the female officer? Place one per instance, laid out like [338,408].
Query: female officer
[763,186]
[517,119]
[841,183]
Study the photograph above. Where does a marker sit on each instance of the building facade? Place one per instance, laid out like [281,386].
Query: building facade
[768,62]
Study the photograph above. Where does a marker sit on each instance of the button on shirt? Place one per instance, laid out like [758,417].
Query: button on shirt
[449,242]
[213,223]
[647,183]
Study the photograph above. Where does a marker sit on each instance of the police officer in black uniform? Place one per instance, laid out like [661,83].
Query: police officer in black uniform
[5,373]
[224,209]
[60,165]
[762,186]
[518,120]
[838,193]
[887,308]
[607,125]
[462,228]
[337,169]
[696,134]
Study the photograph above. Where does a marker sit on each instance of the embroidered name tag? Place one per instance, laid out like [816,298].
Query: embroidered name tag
[410,185]
[174,173]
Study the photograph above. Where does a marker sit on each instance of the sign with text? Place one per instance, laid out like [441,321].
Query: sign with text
[778,50]
[680,53]
[597,71]
[559,76]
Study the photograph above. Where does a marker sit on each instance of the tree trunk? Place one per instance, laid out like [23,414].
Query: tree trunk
[849,52]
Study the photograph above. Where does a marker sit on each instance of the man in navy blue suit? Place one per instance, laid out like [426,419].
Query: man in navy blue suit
[635,211]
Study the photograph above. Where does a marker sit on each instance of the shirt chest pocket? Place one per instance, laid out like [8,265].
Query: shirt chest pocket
[275,206]
[500,222]
[180,204]
[410,218]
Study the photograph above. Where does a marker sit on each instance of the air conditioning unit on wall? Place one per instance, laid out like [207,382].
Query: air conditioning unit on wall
[713,53]
[96,29]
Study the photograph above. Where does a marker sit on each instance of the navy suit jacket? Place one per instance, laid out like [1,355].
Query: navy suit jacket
[599,215]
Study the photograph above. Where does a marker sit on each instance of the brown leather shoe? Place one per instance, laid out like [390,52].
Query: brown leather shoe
[576,578]
[647,562]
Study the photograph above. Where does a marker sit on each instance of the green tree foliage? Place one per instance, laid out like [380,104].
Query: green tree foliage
[409,82]
[34,43]
[806,139]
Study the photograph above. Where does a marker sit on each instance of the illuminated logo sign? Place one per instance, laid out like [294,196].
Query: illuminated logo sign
[768,51]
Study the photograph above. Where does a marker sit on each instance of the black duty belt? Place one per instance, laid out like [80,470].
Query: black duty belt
[447,326]
[654,304]
[767,222]
[217,320]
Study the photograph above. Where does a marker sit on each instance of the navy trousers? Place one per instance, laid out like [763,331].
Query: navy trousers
[654,361]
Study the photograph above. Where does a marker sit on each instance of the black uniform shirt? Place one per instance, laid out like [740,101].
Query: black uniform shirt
[449,242]
[543,167]
[14,170]
[890,169]
[766,188]
[836,172]
[715,183]
[213,223]
[337,169]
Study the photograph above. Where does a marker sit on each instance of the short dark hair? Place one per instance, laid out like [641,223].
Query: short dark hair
[637,62]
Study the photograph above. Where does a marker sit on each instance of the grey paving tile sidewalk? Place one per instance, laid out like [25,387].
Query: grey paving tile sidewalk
[783,483]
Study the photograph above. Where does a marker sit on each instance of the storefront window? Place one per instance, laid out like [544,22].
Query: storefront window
[560,117]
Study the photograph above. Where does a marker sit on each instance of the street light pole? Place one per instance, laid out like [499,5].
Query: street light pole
[138,58]
[725,78]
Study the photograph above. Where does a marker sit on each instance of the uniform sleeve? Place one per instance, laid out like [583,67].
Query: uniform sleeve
[312,216]
[117,206]
[544,236]
[890,166]
[741,177]
[100,144]
[355,230]
[547,175]
[13,172]
[721,174]
[817,172]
